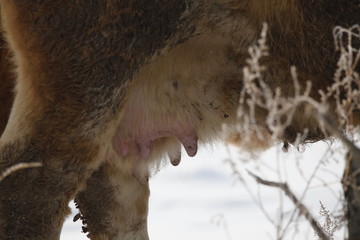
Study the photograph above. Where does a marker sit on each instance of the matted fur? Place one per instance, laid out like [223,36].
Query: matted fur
[107,89]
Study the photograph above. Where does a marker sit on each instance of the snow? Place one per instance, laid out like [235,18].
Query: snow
[202,198]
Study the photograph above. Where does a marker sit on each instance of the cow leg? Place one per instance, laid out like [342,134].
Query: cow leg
[114,205]
[48,124]
[34,201]
[74,61]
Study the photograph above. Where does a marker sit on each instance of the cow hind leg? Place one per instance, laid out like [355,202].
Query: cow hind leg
[41,129]
[34,201]
[113,205]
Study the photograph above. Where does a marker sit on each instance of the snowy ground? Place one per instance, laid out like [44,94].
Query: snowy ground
[203,199]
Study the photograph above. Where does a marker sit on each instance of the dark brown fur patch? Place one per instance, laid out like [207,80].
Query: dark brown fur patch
[7,83]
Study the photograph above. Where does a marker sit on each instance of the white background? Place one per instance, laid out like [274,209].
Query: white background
[202,198]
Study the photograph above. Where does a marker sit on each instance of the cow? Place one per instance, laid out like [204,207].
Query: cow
[102,93]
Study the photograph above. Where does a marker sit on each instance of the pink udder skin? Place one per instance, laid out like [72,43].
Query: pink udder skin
[142,135]
[139,148]
[143,143]
[148,129]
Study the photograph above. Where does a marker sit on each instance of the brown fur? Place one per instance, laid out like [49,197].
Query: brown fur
[106,89]
[300,34]
[6,86]
[95,214]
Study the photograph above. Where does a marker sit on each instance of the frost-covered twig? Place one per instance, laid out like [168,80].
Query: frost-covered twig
[346,85]
[266,112]
[330,224]
[343,93]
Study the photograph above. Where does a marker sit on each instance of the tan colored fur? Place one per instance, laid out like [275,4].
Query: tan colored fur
[27,101]
[196,88]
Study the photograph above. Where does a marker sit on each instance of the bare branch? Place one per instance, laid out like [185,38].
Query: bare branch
[302,209]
